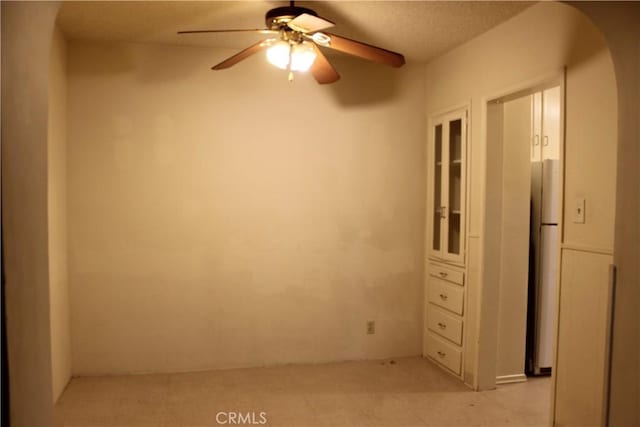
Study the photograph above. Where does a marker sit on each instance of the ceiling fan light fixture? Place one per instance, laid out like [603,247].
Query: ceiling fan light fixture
[302,55]
[321,38]
[298,42]
[278,54]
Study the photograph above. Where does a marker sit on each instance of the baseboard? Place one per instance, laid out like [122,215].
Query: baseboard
[508,379]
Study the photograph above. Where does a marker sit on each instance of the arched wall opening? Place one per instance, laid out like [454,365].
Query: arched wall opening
[27,30]
[524,52]
[619,26]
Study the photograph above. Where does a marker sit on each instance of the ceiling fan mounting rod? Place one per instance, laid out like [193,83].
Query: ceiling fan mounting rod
[291,36]
[279,17]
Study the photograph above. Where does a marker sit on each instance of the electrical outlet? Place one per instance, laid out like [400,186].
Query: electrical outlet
[371,327]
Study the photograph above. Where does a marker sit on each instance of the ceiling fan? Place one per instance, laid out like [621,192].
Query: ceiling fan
[294,36]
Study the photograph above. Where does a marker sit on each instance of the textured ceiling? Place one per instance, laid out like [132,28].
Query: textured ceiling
[421,30]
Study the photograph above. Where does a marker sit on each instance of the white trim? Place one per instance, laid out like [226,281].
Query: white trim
[561,225]
[554,78]
[584,248]
[463,105]
[509,379]
[606,394]
[485,325]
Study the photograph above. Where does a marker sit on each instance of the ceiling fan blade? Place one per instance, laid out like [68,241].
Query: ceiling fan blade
[363,50]
[257,30]
[307,23]
[243,54]
[322,70]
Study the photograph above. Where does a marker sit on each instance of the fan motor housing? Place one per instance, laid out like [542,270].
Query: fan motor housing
[280,16]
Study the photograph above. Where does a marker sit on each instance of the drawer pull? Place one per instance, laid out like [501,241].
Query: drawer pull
[442,325]
[443,274]
[443,297]
[441,354]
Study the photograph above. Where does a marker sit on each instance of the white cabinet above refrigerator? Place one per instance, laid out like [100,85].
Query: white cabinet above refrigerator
[545,123]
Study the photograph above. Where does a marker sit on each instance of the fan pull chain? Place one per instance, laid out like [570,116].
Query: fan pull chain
[290,60]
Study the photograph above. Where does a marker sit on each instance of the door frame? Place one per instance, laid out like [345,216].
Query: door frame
[489,262]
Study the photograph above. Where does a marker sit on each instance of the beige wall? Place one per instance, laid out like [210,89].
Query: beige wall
[529,49]
[514,263]
[233,218]
[590,169]
[590,163]
[57,204]
[26,42]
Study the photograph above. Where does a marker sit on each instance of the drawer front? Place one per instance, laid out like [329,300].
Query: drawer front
[444,324]
[445,273]
[446,295]
[446,354]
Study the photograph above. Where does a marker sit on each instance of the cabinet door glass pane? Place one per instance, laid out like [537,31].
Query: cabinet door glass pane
[437,183]
[455,185]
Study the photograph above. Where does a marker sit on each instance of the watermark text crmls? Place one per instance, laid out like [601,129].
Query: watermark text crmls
[238,418]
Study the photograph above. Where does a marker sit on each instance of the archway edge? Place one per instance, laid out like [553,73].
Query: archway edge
[618,23]
[27,30]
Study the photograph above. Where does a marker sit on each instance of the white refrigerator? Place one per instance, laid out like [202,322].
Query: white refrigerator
[545,236]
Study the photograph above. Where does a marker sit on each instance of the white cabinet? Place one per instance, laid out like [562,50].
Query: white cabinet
[445,296]
[447,355]
[545,122]
[536,127]
[444,319]
[446,221]
[445,325]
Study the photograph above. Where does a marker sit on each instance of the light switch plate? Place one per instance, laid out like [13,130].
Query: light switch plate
[578,210]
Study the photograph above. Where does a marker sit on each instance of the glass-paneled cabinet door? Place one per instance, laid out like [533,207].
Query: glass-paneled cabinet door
[448,161]
[436,189]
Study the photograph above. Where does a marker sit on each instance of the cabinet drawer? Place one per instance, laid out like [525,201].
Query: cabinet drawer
[446,273]
[446,354]
[446,295]
[444,324]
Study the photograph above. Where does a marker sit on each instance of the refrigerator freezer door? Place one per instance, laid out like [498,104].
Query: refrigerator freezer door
[546,298]
[550,192]
[536,211]
[536,195]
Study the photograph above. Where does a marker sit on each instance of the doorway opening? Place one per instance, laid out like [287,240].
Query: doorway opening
[526,133]
[544,230]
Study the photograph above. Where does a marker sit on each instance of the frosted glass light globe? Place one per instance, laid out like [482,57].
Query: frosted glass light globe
[302,55]
[278,54]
